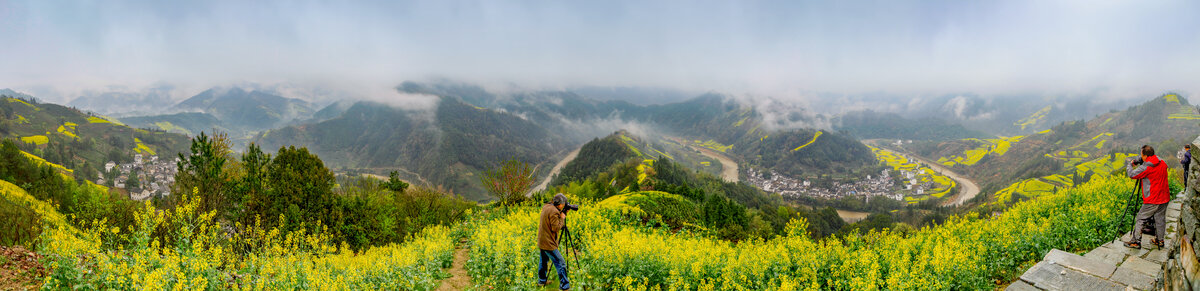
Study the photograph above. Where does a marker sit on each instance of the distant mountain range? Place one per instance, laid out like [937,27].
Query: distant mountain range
[239,112]
[247,109]
[120,101]
[473,129]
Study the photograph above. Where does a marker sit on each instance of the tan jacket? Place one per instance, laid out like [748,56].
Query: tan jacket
[548,226]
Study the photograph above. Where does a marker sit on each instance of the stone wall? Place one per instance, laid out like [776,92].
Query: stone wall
[1182,270]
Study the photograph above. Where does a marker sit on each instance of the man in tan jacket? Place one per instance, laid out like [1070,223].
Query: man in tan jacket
[549,224]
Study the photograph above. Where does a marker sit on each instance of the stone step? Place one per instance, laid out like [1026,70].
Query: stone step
[1021,286]
[1156,256]
[1134,279]
[1107,255]
[1141,265]
[1049,276]
[1091,266]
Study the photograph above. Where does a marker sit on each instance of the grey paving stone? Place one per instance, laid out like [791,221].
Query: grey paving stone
[1106,255]
[1021,286]
[1141,265]
[1174,206]
[1156,256]
[1042,271]
[1049,276]
[1088,265]
[1111,245]
[1134,279]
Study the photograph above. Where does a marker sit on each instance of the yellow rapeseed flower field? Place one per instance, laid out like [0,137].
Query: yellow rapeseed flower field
[202,257]
[968,252]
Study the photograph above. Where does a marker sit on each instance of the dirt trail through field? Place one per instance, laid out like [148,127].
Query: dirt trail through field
[459,279]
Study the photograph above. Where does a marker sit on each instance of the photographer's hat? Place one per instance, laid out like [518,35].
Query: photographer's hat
[559,199]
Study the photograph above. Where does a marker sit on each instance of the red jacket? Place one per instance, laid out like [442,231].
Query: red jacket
[1152,175]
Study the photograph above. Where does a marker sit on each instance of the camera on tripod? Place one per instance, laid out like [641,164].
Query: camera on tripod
[569,207]
[566,239]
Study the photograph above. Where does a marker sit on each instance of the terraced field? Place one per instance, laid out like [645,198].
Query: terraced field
[1078,153]
[942,185]
[1034,118]
[997,146]
[713,145]
[1035,187]
[1184,112]
[36,139]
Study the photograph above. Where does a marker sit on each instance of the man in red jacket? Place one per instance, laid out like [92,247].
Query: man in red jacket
[1152,177]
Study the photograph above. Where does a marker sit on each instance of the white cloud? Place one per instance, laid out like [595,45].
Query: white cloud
[850,47]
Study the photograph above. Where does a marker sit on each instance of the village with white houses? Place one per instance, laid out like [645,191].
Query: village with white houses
[881,185]
[144,178]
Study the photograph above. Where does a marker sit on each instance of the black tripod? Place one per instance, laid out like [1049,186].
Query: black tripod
[569,243]
[1131,208]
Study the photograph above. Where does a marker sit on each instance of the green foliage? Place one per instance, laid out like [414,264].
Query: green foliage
[204,170]
[134,182]
[729,216]
[594,157]
[877,222]
[22,225]
[300,189]
[510,182]
[657,208]
[668,173]
[294,191]
[394,183]
[369,214]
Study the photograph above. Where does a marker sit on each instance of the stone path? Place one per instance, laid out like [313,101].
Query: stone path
[1111,266]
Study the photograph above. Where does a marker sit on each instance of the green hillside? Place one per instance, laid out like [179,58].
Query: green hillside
[1070,152]
[77,140]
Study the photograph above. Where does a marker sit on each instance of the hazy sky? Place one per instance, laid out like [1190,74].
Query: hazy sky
[782,48]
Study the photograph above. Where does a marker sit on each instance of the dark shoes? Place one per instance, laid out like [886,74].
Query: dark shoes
[1133,245]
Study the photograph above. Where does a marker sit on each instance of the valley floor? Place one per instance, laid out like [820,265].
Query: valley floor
[969,189]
